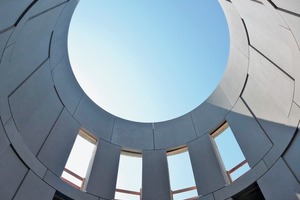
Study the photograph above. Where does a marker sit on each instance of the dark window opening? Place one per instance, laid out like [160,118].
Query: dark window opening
[252,192]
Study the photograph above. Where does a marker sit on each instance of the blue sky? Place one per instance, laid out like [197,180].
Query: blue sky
[148,61]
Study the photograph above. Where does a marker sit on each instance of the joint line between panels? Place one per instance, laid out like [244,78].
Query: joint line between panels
[289,12]
[80,99]
[50,44]
[112,130]
[47,10]
[29,76]
[194,127]
[255,118]
[55,89]
[153,132]
[17,154]
[50,131]
[256,1]
[25,12]
[295,134]
[272,3]
[244,86]
[291,170]
[247,34]
[6,29]
[19,186]
[272,62]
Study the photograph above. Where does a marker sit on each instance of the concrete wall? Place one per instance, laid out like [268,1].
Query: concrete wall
[155,175]
[42,108]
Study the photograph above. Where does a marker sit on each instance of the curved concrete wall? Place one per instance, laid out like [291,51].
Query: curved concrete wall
[42,109]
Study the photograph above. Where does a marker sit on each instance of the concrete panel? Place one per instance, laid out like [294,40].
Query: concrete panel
[56,149]
[291,156]
[3,40]
[208,172]
[290,5]
[32,47]
[42,6]
[67,86]
[238,34]
[268,35]
[275,83]
[261,104]
[269,14]
[235,75]
[133,135]
[35,108]
[4,106]
[274,12]
[103,177]
[242,182]
[22,149]
[59,46]
[37,9]
[207,197]
[4,142]
[95,119]
[40,122]
[279,183]
[251,138]
[155,183]
[33,188]
[218,98]
[10,11]
[211,113]
[59,38]
[281,135]
[67,189]
[30,95]
[12,172]
[174,133]
[294,24]
[270,117]
[294,116]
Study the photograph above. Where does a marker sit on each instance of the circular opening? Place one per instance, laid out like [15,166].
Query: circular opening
[148,61]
